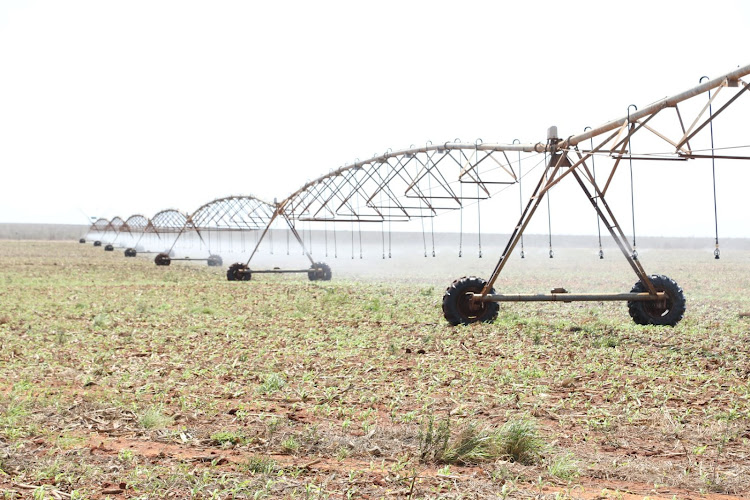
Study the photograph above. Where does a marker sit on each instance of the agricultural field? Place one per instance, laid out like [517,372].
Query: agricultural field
[119,379]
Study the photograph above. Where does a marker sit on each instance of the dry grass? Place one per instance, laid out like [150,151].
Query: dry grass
[117,375]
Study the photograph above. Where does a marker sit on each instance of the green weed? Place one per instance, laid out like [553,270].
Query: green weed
[518,440]
[260,465]
[154,418]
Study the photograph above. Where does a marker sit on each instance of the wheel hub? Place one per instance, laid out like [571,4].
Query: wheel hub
[658,308]
[470,304]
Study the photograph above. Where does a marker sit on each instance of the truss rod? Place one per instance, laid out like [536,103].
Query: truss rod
[657,106]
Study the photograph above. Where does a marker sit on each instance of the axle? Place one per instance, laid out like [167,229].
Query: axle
[568,297]
[280,271]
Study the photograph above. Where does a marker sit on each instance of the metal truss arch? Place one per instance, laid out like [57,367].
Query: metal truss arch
[168,221]
[117,224]
[224,216]
[232,213]
[406,184]
[100,225]
[137,222]
[97,230]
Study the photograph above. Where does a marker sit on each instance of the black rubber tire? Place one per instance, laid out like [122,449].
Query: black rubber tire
[215,261]
[162,259]
[319,271]
[653,313]
[82,240]
[97,243]
[130,252]
[109,248]
[459,310]
[239,272]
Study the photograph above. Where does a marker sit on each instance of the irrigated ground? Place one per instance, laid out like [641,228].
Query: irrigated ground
[119,379]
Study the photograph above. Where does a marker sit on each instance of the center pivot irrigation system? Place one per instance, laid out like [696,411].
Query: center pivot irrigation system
[422,182]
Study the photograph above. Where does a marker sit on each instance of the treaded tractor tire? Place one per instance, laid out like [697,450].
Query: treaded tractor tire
[319,271]
[130,252]
[458,309]
[654,313]
[109,248]
[162,259]
[97,243]
[82,240]
[238,272]
[214,261]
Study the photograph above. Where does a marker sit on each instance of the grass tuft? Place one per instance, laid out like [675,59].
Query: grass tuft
[225,438]
[260,465]
[272,382]
[474,444]
[519,441]
[154,418]
[564,467]
[433,439]
[290,445]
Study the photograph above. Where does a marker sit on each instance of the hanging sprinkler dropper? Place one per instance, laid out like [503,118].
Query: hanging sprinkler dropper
[520,193]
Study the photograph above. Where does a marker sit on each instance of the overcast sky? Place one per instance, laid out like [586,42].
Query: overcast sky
[114,108]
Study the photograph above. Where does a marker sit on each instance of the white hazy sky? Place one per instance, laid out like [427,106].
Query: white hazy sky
[120,107]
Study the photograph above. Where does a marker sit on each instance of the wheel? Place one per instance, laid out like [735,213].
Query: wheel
[458,309]
[109,248]
[668,312]
[238,272]
[130,252]
[214,260]
[82,240]
[97,243]
[319,271]
[162,259]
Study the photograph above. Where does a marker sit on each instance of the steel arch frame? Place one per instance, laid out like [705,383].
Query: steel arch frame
[169,221]
[95,226]
[136,223]
[230,213]
[99,228]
